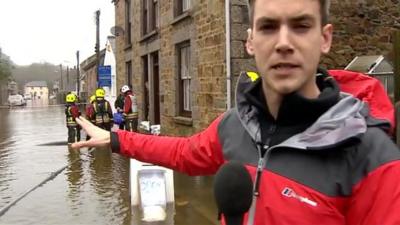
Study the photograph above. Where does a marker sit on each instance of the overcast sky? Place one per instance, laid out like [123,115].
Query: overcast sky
[52,30]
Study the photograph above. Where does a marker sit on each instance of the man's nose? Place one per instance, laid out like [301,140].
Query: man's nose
[284,44]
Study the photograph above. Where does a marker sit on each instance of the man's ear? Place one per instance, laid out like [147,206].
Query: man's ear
[327,33]
[249,42]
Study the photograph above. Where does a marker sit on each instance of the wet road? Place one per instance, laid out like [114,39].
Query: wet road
[94,190]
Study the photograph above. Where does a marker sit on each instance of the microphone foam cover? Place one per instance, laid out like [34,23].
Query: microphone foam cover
[233,189]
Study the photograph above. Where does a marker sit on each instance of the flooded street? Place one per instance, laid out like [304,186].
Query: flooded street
[93,190]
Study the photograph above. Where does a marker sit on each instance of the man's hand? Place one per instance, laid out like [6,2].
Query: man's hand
[98,136]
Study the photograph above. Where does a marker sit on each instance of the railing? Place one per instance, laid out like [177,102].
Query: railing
[387,80]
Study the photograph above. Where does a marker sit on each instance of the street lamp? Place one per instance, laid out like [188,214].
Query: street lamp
[61,78]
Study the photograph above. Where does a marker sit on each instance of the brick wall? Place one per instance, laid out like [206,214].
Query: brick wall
[362,27]
[120,44]
[203,26]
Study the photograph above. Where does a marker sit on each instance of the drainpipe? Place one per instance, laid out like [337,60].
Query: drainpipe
[228,53]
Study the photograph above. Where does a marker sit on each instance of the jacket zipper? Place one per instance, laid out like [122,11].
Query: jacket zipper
[260,166]
[263,158]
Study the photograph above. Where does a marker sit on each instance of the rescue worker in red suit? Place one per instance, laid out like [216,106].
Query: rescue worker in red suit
[103,114]
[130,109]
[316,154]
[71,113]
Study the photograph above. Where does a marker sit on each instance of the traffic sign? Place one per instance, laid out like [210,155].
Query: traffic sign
[104,76]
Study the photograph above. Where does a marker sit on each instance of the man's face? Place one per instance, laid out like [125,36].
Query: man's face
[287,40]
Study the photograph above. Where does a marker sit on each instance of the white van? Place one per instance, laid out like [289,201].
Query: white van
[16,100]
[28,96]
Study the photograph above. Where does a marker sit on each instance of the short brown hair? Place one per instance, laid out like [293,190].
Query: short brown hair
[324,10]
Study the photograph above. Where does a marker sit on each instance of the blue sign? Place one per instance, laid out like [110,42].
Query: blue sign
[104,76]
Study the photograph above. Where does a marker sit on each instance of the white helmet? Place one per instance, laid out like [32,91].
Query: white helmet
[125,88]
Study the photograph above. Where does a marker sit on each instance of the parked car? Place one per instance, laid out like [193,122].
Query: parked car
[28,96]
[16,100]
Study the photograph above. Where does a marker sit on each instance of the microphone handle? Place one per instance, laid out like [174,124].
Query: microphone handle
[233,220]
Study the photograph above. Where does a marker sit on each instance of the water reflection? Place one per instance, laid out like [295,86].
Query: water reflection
[92,190]
[74,175]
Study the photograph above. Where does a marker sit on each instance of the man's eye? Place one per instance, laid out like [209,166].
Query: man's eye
[267,27]
[302,26]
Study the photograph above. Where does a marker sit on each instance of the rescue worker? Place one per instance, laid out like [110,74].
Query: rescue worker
[103,115]
[119,106]
[89,111]
[130,109]
[71,113]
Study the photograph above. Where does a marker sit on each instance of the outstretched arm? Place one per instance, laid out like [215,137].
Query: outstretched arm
[200,154]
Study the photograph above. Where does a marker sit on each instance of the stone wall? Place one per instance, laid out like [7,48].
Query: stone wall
[120,44]
[203,27]
[210,97]
[362,27]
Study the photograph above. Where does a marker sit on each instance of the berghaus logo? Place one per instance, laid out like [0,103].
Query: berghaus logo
[288,192]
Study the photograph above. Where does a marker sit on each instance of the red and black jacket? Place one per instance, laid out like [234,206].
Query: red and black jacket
[322,161]
[71,113]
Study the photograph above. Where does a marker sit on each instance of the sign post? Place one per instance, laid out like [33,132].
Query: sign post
[104,76]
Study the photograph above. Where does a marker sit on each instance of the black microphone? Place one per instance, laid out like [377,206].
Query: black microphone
[233,191]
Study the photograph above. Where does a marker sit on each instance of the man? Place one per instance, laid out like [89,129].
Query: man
[102,110]
[130,109]
[119,106]
[71,113]
[317,155]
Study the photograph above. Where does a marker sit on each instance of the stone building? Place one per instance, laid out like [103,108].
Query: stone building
[88,75]
[37,89]
[183,59]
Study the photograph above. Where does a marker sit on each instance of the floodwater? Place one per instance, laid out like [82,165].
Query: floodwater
[94,189]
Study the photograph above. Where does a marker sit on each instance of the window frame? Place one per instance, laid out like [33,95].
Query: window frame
[179,7]
[184,76]
[150,16]
[128,23]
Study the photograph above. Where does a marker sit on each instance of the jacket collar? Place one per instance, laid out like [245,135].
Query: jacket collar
[331,118]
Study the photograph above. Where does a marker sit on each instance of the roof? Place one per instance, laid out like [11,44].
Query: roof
[36,84]
[370,64]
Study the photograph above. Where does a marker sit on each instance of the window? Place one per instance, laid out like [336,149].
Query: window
[182,6]
[128,23]
[155,15]
[185,106]
[146,85]
[150,16]
[128,66]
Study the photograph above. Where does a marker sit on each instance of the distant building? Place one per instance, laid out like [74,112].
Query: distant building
[38,89]
[88,74]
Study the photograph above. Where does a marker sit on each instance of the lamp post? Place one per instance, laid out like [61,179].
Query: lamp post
[97,46]
[61,79]
[77,73]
